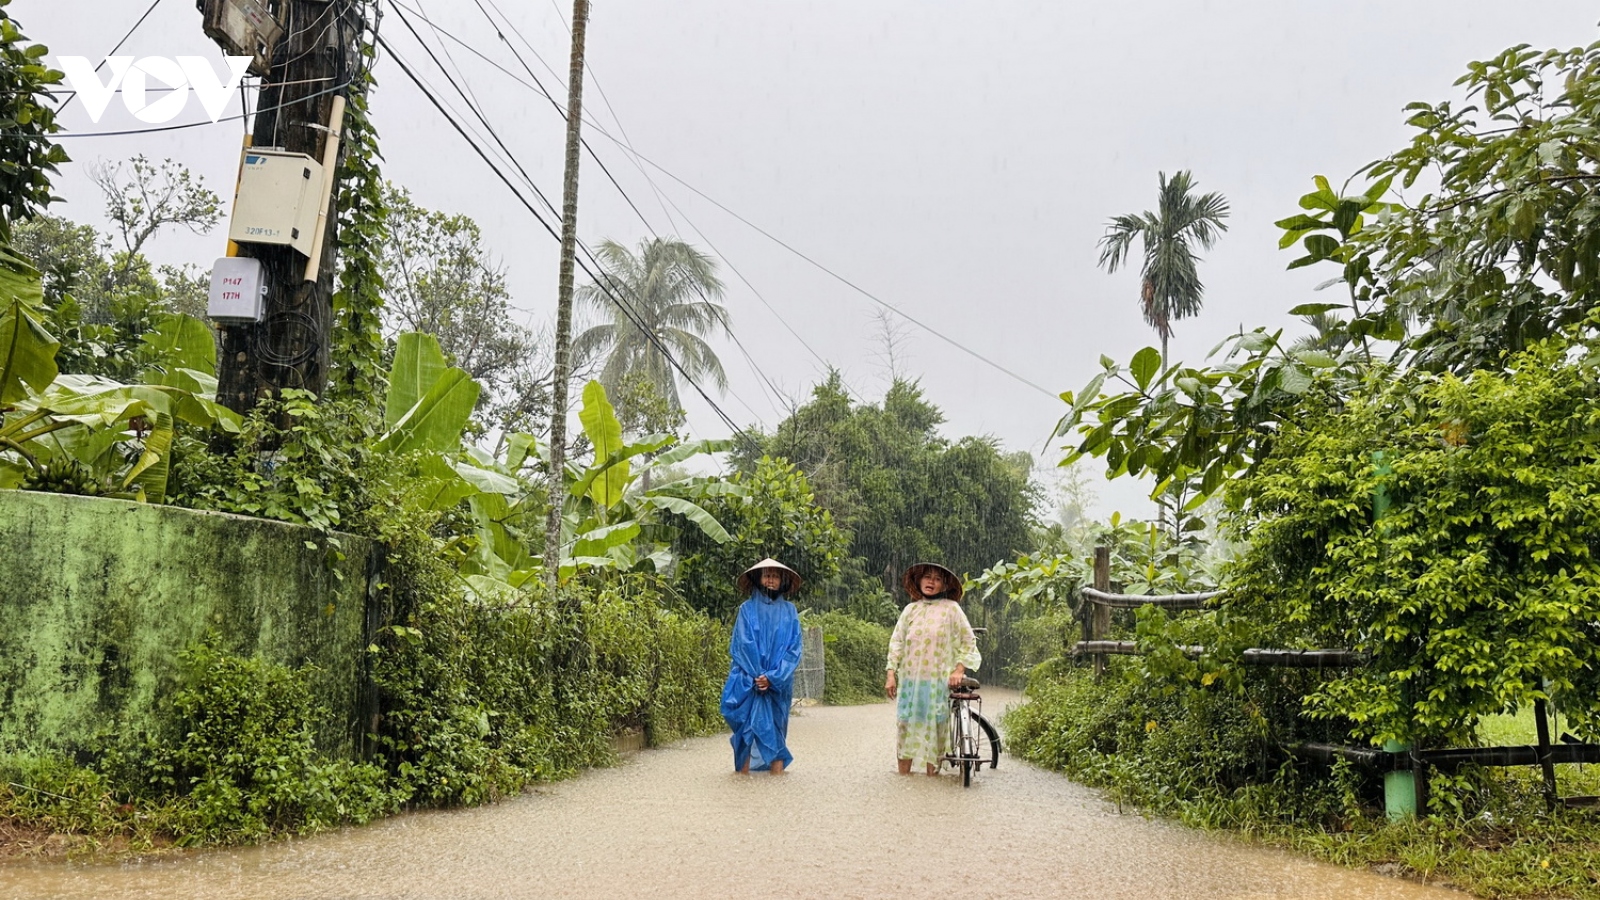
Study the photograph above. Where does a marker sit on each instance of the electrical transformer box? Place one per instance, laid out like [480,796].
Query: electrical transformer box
[245,28]
[238,285]
[280,195]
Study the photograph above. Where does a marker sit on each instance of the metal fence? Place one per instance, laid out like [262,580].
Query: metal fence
[808,678]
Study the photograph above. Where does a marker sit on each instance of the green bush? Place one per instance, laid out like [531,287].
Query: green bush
[1207,755]
[853,654]
[237,762]
[480,701]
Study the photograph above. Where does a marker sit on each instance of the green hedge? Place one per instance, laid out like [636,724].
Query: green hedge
[477,702]
[854,653]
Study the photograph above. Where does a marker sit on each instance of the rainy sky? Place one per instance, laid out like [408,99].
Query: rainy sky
[955,159]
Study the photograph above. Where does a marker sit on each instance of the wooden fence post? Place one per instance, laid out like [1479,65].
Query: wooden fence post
[1098,615]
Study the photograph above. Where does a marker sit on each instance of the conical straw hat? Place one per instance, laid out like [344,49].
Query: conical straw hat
[913,575]
[747,579]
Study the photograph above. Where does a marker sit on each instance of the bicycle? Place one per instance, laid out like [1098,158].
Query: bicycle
[973,741]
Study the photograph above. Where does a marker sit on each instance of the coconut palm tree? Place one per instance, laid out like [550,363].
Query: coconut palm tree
[669,291]
[1170,288]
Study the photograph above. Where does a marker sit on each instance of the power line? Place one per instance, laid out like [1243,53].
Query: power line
[762,231]
[539,86]
[600,282]
[113,51]
[529,179]
[476,112]
[588,149]
[750,360]
[654,189]
[848,283]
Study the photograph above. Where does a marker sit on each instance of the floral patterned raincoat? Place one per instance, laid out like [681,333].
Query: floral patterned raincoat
[931,637]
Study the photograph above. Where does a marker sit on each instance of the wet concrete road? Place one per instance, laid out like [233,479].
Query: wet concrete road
[676,822]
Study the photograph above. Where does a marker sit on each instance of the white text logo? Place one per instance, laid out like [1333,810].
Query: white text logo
[134,78]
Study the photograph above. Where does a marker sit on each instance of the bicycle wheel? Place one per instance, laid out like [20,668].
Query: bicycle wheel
[988,741]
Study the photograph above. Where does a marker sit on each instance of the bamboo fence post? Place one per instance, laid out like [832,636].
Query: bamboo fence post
[1098,616]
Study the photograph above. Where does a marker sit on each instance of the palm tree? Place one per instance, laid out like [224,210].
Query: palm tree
[1171,287]
[669,297]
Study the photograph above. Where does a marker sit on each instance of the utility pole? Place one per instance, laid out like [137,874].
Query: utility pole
[569,240]
[301,111]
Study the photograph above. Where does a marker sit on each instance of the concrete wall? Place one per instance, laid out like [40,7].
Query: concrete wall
[97,597]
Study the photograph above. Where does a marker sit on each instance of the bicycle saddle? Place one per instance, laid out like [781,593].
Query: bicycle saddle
[967,689]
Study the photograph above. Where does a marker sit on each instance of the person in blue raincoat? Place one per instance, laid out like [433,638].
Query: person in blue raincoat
[765,650]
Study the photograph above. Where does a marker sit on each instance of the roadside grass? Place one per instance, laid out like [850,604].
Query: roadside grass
[1514,858]
[1190,757]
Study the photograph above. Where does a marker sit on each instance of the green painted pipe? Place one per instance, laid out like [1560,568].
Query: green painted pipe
[1399,787]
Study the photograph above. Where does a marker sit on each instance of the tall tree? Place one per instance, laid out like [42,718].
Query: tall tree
[673,292]
[904,492]
[1170,287]
[439,279]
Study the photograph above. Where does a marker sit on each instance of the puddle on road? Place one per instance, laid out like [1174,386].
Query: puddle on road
[676,822]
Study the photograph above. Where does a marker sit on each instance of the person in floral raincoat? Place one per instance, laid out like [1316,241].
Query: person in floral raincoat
[931,650]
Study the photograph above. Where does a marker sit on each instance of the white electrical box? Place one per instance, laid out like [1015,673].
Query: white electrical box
[238,289]
[280,195]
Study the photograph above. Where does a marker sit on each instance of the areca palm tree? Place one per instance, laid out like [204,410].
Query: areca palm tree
[1170,288]
[672,294]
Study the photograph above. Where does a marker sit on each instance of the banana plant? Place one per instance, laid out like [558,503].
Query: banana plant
[612,507]
[90,435]
[612,514]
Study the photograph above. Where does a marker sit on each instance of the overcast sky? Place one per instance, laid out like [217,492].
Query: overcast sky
[958,160]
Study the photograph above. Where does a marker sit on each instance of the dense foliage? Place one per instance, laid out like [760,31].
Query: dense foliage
[1475,589]
[903,492]
[776,516]
[1416,482]
[237,760]
[854,653]
[27,155]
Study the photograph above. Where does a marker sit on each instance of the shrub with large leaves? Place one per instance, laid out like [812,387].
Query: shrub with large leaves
[84,434]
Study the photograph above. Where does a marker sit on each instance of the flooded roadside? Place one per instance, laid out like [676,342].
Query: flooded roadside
[676,822]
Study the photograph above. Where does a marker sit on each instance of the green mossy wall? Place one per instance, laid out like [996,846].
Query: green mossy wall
[97,598]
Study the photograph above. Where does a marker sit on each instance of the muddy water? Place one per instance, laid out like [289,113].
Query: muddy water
[676,822]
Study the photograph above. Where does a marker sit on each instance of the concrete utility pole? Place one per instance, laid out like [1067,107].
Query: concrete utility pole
[298,112]
[569,240]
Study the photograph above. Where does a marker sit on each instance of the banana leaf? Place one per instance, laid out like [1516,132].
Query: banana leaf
[27,354]
[707,522]
[609,476]
[178,342]
[436,421]
[418,365]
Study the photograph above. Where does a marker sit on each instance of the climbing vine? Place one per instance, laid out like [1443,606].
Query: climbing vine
[27,156]
[357,336]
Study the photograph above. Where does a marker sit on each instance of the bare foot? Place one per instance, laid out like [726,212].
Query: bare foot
[905,767]
[777,767]
[932,770]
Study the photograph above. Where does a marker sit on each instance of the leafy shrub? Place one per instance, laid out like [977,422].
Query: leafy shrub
[481,700]
[1475,589]
[243,753]
[1208,755]
[776,516]
[853,653]
[237,762]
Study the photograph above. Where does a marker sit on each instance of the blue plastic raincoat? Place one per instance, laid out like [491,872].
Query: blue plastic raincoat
[766,641]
